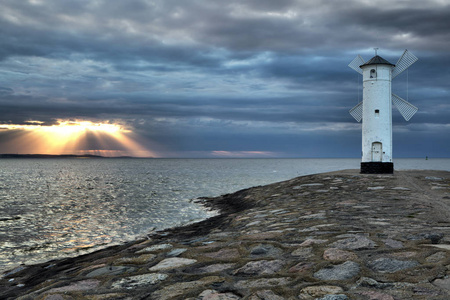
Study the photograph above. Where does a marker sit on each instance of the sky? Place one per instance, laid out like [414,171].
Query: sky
[208,78]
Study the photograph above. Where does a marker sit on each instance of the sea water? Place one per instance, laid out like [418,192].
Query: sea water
[54,208]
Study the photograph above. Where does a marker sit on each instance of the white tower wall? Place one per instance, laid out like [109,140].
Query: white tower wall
[377,113]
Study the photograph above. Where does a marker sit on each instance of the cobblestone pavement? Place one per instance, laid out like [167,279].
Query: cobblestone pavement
[339,235]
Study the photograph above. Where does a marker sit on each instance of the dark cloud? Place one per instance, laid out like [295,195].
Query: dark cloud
[195,76]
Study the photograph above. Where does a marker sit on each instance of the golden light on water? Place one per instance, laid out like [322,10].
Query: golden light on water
[76,137]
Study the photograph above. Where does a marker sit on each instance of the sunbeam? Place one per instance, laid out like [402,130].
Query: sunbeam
[76,137]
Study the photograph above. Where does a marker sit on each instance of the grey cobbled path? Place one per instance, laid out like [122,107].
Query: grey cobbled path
[332,236]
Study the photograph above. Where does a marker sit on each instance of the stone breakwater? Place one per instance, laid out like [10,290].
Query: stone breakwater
[339,235]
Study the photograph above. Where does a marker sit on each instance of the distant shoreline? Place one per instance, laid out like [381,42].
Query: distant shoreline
[58,156]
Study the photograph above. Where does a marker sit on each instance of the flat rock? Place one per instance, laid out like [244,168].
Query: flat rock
[137,260]
[334,297]
[375,188]
[374,295]
[436,257]
[319,291]
[213,268]
[442,283]
[301,267]
[110,271]
[303,253]
[391,265]
[223,254]
[393,243]
[317,216]
[265,295]
[260,267]
[172,263]
[54,297]
[262,282]
[177,289]
[445,247]
[215,295]
[176,252]
[265,250]
[82,285]
[372,283]
[357,242]
[335,254]
[344,271]
[155,248]
[310,242]
[138,280]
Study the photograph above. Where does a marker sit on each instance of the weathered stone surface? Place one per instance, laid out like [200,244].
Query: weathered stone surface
[264,250]
[110,271]
[261,235]
[356,242]
[156,248]
[319,291]
[318,216]
[265,295]
[260,267]
[303,253]
[176,252]
[54,297]
[224,254]
[263,282]
[445,247]
[301,267]
[393,243]
[442,283]
[374,295]
[214,268]
[334,297]
[310,242]
[177,289]
[137,260]
[391,265]
[335,254]
[436,257]
[215,295]
[172,263]
[138,280]
[82,285]
[343,271]
[372,283]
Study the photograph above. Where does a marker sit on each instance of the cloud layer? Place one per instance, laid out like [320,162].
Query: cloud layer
[198,78]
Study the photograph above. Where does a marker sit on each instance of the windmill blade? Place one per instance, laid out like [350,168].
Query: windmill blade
[403,63]
[404,107]
[357,111]
[356,63]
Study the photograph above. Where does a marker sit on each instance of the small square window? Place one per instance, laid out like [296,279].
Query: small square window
[377,113]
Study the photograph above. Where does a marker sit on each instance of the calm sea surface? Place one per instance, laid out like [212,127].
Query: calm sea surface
[53,208]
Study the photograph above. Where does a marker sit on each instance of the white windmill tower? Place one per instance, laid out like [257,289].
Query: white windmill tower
[375,110]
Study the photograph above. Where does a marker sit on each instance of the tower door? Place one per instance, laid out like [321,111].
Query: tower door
[377,151]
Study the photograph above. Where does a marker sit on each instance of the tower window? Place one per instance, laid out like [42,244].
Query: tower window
[373,73]
[377,113]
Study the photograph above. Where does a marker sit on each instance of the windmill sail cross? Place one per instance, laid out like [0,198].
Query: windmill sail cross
[357,112]
[403,63]
[356,62]
[406,109]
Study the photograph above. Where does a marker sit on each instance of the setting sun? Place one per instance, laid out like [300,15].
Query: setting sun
[76,137]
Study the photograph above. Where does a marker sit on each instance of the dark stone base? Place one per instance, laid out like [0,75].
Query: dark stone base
[377,168]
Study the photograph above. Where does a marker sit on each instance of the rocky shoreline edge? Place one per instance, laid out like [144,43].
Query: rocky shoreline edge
[338,235]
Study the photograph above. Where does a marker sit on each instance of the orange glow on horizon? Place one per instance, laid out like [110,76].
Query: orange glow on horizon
[76,137]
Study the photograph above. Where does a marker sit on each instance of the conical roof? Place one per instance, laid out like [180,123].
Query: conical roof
[377,60]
